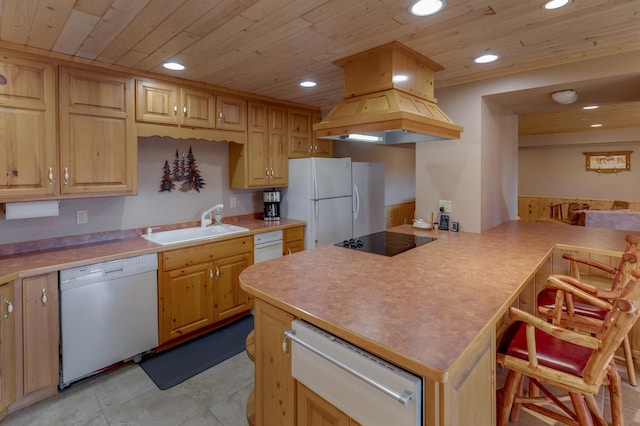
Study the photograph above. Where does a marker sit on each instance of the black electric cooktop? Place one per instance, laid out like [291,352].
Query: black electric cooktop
[385,243]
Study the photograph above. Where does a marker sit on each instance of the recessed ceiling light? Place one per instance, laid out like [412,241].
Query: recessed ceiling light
[173,66]
[591,107]
[555,4]
[596,125]
[485,59]
[426,7]
[308,83]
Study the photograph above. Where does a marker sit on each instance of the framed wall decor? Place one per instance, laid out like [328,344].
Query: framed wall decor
[608,162]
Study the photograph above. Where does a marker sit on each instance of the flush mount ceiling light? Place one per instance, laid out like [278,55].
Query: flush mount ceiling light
[426,7]
[308,83]
[399,78]
[555,4]
[486,58]
[565,97]
[173,66]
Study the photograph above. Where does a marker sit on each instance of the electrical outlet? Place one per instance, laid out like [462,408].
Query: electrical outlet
[82,217]
[446,205]
[233,203]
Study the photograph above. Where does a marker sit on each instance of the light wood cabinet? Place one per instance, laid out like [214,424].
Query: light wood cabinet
[37,339]
[164,103]
[28,151]
[98,143]
[231,113]
[274,384]
[293,240]
[313,410]
[302,140]
[199,286]
[262,162]
[7,348]
[229,298]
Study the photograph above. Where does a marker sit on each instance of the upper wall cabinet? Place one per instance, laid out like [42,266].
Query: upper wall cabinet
[164,103]
[98,144]
[302,141]
[28,161]
[189,112]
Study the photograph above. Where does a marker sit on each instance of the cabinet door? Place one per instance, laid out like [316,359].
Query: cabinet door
[39,327]
[278,159]
[299,145]
[258,145]
[321,147]
[186,300]
[275,386]
[7,349]
[197,108]
[157,102]
[228,298]
[313,410]
[293,240]
[98,145]
[28,158]
[231,113]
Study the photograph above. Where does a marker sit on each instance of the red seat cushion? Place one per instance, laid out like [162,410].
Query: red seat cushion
[551,352]
[547,299]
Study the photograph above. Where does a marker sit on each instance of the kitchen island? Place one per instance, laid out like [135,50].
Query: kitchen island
[435,310]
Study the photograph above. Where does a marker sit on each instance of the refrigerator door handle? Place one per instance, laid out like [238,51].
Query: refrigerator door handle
[357,200]
[315,237]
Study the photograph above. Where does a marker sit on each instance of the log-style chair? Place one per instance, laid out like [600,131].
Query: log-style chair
[562,300]
[571,216]
[620,205]
[556,359]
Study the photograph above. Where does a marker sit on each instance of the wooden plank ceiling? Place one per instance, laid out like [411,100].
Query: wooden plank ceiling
[268,46]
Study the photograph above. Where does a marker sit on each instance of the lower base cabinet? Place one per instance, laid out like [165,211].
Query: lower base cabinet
[37,337]
[313,410]
[7,348]
[199,286]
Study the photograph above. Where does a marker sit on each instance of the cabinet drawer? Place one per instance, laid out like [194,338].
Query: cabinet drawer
[292,234]
[205,253]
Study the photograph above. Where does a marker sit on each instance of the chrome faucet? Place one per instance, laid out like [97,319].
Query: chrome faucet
[217,214]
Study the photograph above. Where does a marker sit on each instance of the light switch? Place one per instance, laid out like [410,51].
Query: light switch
[82,217]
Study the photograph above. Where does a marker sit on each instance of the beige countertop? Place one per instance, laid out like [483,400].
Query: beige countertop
[422,308]
[55,254]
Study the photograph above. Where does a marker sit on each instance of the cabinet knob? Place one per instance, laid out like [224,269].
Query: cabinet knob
[66,175]
[273,174]
[220,115]
[175,109]
[217,272]
[266,173]
[9,307]
[289,251]
[50,175]
[184,110]
[210,274]
[43,297]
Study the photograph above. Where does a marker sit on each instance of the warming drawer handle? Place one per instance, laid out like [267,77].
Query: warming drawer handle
[402,398]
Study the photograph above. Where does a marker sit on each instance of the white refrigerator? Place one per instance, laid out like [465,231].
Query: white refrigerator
[321,192]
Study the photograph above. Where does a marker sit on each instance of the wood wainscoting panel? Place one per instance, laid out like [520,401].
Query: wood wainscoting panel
[532,208]
[399,214]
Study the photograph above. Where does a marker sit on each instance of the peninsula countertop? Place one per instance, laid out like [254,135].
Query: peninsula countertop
[422,308]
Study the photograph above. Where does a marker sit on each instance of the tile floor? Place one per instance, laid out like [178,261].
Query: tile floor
[215,397]
[126,396]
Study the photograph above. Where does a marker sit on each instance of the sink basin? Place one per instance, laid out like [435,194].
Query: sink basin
[192,234]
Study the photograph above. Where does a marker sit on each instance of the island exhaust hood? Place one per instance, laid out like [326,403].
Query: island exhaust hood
[388,98]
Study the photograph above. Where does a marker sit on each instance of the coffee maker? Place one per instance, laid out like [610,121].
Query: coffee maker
[271,204]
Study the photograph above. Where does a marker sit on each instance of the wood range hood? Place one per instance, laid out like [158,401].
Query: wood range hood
[388,98]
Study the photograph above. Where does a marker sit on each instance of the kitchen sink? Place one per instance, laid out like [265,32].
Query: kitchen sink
[192,234]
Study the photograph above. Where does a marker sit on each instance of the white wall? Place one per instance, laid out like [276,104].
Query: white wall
[150,207]
[465,171]
[559,171]
[399,166]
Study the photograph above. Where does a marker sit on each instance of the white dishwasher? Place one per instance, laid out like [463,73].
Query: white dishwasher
[108,313]
[267,245]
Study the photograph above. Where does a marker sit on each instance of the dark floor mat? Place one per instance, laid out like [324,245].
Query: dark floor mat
[178,364]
